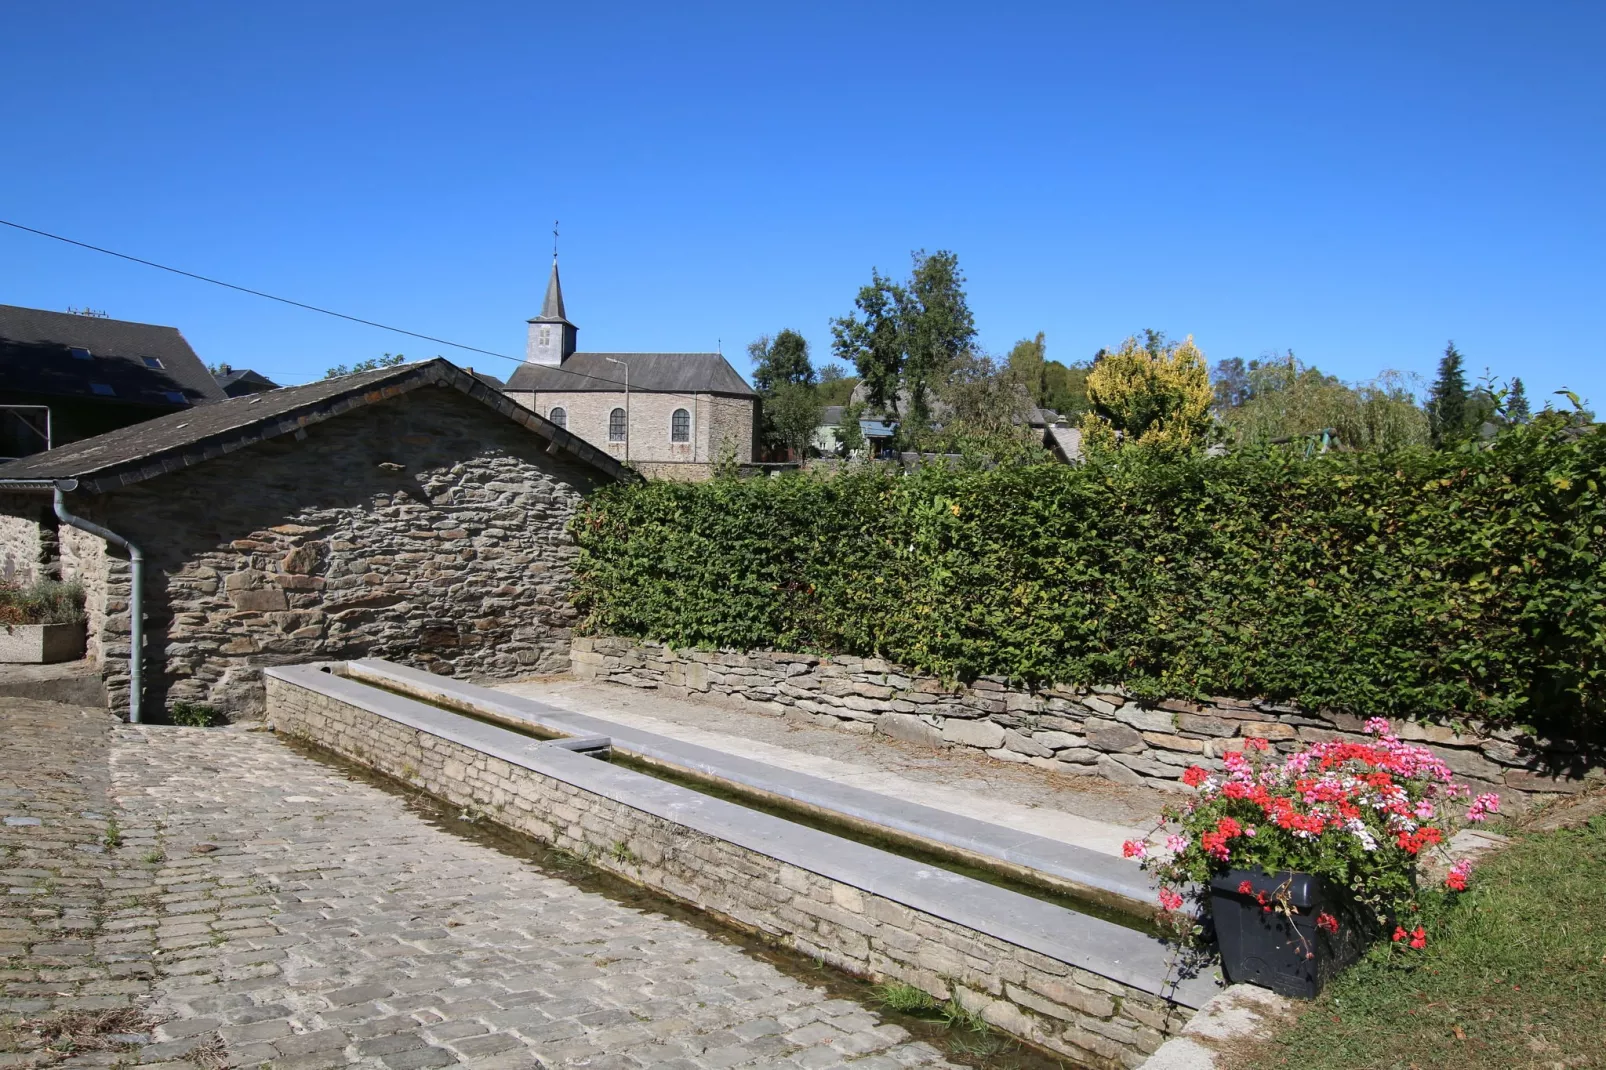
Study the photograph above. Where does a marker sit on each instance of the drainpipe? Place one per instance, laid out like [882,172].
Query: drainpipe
[136,594]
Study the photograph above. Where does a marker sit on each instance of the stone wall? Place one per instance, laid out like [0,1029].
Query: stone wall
[1098,731]
[26,548]
[1067,1009]
[425,529]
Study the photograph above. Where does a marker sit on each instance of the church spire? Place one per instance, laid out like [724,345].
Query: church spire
[552,337]
[552,307]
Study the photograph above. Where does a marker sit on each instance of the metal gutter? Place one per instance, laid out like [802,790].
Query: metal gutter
[136,594]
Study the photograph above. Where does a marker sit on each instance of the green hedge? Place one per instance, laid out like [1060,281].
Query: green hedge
[1437,585]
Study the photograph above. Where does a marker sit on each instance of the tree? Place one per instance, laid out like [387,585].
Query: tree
[850,436]
[835,386]
[782,359]
[1287,399]
[389,360]
[872,341]
[791,417]
[1053,385]
[905,337]
[1447,403]
[937,325]
[1517,410]
[1230,380]
[1152,393]
[988,407]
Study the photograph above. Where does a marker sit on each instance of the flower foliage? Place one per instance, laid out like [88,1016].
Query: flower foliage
[1359,815]
[1437,585]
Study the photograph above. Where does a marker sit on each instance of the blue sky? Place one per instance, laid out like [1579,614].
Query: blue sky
[1358,184]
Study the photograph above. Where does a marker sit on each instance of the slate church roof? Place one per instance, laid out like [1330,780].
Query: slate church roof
[63,354]
[680,373]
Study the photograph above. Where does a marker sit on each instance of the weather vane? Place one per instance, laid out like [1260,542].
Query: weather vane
[554,239]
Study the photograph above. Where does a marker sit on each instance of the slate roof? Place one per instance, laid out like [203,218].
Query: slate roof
[237,382]
[36,358]
[669,373]
[178,440]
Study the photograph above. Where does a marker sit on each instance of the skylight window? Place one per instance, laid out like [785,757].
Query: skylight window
[152,362]
[175,397]
[104,389]
[79,352]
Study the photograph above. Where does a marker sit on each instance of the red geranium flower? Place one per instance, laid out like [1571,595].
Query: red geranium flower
[1326,921]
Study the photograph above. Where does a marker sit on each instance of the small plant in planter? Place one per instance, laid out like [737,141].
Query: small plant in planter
[1302,860]
[42,602]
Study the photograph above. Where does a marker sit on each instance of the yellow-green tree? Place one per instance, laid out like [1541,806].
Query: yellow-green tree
[1155,394]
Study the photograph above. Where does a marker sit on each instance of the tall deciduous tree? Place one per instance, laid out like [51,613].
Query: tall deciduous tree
[790,405]
[782,359]
[904,337]
[1447,404]
[872,340]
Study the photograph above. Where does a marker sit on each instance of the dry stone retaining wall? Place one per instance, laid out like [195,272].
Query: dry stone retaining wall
[1098,731]
[1088,1017]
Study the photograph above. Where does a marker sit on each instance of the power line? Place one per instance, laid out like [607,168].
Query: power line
[314,308]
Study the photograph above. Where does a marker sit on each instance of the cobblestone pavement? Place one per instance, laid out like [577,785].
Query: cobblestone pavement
[313,920]
[66,967]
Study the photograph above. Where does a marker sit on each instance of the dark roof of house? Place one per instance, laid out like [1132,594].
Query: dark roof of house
[237,382]
[668,373]
[488,379]
[181,439]
[141,363]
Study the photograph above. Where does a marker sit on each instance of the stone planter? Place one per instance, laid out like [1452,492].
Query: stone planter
[40,644]
[1288,954]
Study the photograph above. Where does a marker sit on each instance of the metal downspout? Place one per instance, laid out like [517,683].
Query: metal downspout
[136,594]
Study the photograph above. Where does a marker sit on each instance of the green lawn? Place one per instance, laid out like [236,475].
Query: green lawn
[1514,976]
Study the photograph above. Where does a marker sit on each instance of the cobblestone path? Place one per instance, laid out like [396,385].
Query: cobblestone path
[312,920]
[71,978]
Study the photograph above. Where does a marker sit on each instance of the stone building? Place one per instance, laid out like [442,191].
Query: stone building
[412,513]
[682,415]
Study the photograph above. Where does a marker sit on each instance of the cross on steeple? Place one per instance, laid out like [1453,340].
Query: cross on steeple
[554,240]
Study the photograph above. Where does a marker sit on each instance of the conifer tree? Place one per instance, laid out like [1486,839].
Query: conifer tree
[1447,404]
[1517,410]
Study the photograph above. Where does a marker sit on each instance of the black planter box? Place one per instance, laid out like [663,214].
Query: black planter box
[1290,956]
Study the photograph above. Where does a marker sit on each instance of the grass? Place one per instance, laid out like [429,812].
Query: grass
[194,715]
[114,834]
[1514,976]
[905,999]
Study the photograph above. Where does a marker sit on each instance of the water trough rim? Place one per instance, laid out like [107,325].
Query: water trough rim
[1099,947]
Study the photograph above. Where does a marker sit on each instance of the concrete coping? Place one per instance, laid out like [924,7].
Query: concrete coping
[1124,955]
[1102,875]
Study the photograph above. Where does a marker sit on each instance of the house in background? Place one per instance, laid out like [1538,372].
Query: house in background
[238,382]
[70,376]
[877,428]
[682,414]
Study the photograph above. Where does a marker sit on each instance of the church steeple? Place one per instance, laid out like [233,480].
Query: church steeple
[552,337]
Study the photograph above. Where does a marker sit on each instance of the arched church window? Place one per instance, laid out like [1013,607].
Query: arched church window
[680,426]
[559,417]
[616,425]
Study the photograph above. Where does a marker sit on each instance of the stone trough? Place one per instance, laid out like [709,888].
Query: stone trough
[1100,993]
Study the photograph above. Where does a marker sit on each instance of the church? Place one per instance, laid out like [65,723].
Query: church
[667,415]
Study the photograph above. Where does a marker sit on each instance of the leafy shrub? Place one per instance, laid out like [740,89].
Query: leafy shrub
[1458,583]
[194,715]
[41,602]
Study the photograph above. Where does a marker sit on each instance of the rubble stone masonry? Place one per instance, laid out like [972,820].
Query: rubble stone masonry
[1099,731]
[415,529]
